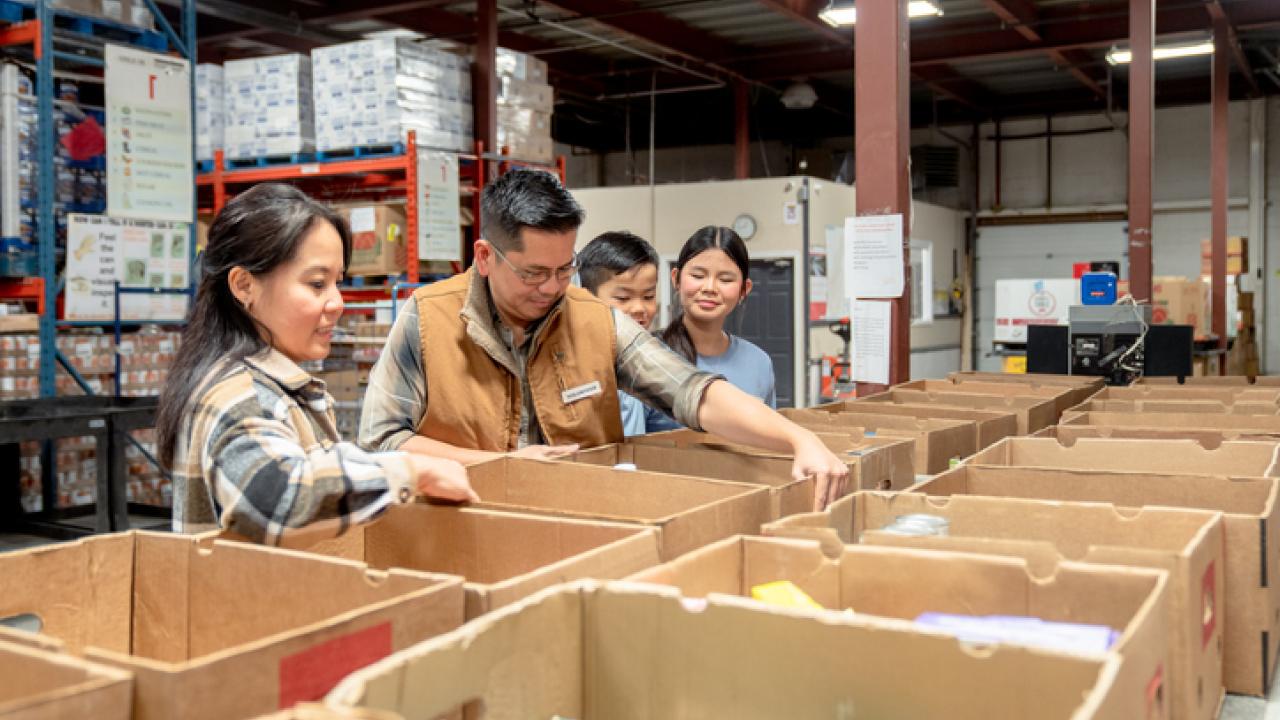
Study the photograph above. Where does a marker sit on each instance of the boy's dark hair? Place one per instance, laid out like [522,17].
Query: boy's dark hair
[610,254]
[526,198]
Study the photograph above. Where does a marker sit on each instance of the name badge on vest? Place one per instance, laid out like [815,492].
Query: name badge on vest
[582,392]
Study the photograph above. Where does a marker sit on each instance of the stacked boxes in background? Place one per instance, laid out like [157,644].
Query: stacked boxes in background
[372,92]
[525,103]
[1237,256]
[211,114]
[268,106]
[128,12]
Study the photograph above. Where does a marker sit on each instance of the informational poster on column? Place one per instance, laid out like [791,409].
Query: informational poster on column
[149,159]
[873,256]
[138,253]
[439,221]
[871,321]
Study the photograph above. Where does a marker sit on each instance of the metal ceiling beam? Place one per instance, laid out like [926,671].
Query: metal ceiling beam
[806,12]
[1219,13]
[944,80]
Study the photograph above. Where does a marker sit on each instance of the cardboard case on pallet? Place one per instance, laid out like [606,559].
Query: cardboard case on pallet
[1188,544]
[217,630]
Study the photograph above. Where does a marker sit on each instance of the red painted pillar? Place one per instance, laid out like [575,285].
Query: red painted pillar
[741,131]
[1141,111]
[484,75]
[1218,180]
[882,142]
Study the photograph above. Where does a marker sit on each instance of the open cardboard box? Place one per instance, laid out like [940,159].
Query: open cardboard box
[1059,395]
[1223,394]
[1032,413]
[1257,424]
[41,684]
[1207,437]
[937,441]
[621,650]
[1188,544]
[1251,612]
[217,630]
[1081,386]
[992,425]
[1172,407]
[887,582]
[690,512]
[875,463]
[1214,380]
[503,556]
[1241,458]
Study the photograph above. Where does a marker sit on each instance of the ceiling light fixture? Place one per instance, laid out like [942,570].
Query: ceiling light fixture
[1117,56]
[799,95]
[842,13]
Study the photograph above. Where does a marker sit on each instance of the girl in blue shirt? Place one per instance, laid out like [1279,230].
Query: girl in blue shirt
[711,279]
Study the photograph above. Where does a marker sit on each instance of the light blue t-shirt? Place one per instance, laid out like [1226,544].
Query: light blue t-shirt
[744,365]
[633,412]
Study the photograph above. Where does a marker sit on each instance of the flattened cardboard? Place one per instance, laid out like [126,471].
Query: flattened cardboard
[43,685]
[1260,424]
[503,556]
[1061,396]
[1186,543]
[992,424]
[213,630]
[689,512]
[937,441]
[1250,520]
[618,650]
[1032,413]
[886,582]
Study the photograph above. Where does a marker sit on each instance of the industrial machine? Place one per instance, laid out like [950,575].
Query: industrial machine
[1116,342]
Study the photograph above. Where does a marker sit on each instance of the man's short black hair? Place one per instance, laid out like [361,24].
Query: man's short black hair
[526,198]
[610,254]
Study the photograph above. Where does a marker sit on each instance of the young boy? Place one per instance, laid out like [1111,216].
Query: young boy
[622,270]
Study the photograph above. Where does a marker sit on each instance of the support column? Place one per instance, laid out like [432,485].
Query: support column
[882,140]
[1218,180]
[741,131]
[1142,27]
[484,75]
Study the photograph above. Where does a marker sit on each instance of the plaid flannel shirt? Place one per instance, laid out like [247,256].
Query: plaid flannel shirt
[396,401]
[259,454]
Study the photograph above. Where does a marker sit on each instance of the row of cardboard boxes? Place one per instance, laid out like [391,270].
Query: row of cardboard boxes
[1184,608]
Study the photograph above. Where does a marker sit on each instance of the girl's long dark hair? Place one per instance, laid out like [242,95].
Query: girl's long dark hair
[711,237]
[258,230]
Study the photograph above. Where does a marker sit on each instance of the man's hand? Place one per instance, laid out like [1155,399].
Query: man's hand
[442,479]
[830,475]
[545,452]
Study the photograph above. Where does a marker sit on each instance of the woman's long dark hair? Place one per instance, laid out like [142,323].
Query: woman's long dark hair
[258,230]
[711,237]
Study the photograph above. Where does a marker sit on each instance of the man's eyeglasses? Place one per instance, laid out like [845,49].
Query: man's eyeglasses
[541,275]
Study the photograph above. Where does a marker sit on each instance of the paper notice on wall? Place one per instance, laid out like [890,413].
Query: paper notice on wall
[439,217]
[871,321]
[137,253]
[873,256]
[818,287]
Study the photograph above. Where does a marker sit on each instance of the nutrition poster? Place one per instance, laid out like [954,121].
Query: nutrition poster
[138,253]
[439,236]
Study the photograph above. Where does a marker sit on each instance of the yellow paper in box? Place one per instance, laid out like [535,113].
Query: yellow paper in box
[784,593]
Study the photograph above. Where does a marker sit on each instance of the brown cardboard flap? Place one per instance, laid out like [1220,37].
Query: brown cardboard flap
[1237,458]
[43,685]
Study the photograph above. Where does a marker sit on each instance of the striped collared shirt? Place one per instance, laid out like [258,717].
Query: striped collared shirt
[259,454]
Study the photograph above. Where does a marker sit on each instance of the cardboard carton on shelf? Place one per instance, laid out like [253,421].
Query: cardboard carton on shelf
[1188,544]
[621,650]
[213,630]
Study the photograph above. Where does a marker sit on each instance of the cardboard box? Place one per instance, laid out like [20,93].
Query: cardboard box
[1188,544]
[221,630]
[377,239]
[19,323]
[1237,256]
[1223,394]
[1173,407]
[1060,396]
[1188,457]
[1179,301]
[343,385]
[1251,560]
[1032,413]
[1020,303]
[1214,381]
[689,512]
[43,685]
[885,582]
[621,650]
[1080,387]
[875,463]
[502,556]
[992,424]
[1207,437]
[1258,424]
[937,441]
[1236,265]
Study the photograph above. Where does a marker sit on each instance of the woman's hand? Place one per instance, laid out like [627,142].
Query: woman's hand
[830,474]
[442,479]
[545,452]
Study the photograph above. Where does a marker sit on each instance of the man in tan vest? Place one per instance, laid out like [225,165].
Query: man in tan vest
[510,358]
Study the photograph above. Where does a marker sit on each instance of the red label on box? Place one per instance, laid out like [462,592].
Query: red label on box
[1208,606]
[310,674]
[364,240]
